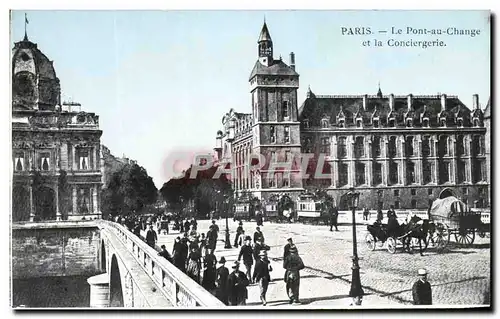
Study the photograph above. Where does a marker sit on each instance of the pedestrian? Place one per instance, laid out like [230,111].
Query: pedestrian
[257,248]
[366,214]
[391,213]
[239,232]
[334,216]
[203,242]
[215,234]
[192,234]
[380,216]
[165,254]
[259,218]
[137,229]
[151,237]
[261,275]
[193,268]
[293,264]
[246,252]
[211,238]
[422,291]
[222,275]
[180,254]
[209,274]
[289,246]
[194,223]
[237,283]
[258,234]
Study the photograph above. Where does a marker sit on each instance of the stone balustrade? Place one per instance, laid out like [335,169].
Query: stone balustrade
[179,289]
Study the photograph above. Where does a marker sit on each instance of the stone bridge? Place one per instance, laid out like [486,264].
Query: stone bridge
[131,275]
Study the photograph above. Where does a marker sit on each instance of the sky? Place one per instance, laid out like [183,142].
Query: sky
[161,81]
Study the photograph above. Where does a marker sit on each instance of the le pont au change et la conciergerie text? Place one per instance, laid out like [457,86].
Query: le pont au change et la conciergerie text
[394,36]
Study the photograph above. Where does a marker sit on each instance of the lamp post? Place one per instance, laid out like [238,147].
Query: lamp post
[356,292]
[228,239]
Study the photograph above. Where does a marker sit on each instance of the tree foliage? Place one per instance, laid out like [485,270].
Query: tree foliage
[129,190]
[205,190]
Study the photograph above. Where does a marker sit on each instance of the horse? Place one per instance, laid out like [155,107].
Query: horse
[416,228]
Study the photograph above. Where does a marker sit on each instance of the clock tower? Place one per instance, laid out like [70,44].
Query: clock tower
[276,129]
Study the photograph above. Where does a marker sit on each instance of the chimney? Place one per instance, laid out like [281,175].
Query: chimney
[475,101]
[410,100]
[443,102]
[391,101]
[292,60]
[365,102]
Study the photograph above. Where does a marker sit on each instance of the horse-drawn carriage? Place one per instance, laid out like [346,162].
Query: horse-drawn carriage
[446,216]
[453,217]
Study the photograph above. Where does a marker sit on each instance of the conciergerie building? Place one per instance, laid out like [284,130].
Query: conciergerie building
[401,150]
[55,146]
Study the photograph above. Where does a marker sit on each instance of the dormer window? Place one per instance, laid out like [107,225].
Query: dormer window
[460,122]
[273,134]
[392,122]
[359,123]
[19,162]
[306,123]
[324,123]
[376,123]
[342,123]
[442,122]
[475,122]
[409,122]
[425,122]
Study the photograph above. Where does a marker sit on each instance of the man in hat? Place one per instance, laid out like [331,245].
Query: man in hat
[222,275]
[213,234]
[289,245]
[261,274]
[165,254]
[334,216]
[258,234]
[237,283]
[151,237]
[293,264]
[422,291]
[239,232]
[246,252]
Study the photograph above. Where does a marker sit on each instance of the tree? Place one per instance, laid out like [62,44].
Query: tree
[129,190]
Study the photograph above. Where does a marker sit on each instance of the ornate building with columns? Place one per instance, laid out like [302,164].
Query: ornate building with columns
[395,150]
[55,146]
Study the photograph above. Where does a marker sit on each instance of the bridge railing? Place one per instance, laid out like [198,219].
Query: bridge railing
[179,289]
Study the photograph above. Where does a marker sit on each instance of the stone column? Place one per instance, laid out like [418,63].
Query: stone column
[99,291]
[73,157]
[32,208]
[436,162]
[402,170]
[94,199]
[453,164]
[419,171]
[334,161]
[385,164]
[94,157]
[369,163]
[350,153]
[58,213]
[75,209]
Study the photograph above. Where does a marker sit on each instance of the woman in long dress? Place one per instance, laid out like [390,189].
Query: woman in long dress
[210,264]
[194,264]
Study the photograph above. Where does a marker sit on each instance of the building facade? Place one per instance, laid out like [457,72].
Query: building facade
[55,146]
[395,150]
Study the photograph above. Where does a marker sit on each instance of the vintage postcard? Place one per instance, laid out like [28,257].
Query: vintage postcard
[250,159]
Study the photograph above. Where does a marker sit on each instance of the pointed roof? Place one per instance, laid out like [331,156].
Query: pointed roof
[379,93]
[264,34]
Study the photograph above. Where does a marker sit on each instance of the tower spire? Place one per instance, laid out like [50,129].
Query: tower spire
[26,22]
[379,93]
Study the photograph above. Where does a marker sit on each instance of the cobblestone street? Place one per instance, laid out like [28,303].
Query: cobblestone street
[459,275]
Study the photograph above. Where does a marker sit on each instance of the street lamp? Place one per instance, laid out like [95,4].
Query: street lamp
[228,240]
[356,291]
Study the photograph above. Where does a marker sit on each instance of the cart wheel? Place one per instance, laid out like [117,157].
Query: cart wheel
[391,245]
[465,237]
[441,237]
[370,242]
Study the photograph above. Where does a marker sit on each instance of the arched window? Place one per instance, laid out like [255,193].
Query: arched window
[325,123]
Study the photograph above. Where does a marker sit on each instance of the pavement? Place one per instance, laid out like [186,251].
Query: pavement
[459,275]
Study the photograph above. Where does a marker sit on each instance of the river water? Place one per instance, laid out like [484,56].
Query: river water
[51,292]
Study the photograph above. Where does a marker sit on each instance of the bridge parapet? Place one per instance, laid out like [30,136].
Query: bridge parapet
[177,287]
